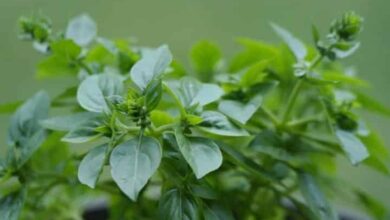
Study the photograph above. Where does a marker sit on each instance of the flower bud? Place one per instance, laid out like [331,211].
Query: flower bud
[348,26]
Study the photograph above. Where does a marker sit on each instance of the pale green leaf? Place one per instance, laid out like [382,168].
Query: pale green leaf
[94,90]
[202,154]
[67,122]
[82,29]
[217,123]
[84,132]
[239,111]
[133,163]
[11,205]
[152,64]
[92,165]
[314,198]
[352,146]
[295,45]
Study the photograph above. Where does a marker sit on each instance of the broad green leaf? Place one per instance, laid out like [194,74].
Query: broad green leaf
[255,74]
[255,51]
[92,165]
[67,122]
[25,121]
[217,123]
[314,198]
[160,118]
[62,61]
[192,92]
[11,205]
[374,208]
[177,205]
[372,105]
[6,108]
[82,29]
[379,153]
[94,90]
[205,56]
[352,146]
[238,111]
[133,163]
[151,66]
[295,45]
[84,132]
[202,154]
[31,146]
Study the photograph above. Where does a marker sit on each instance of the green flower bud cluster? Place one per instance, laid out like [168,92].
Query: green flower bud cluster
[35,28]
[348,26]
[133,106]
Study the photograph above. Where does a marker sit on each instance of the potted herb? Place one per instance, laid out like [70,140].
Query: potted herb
[252,138]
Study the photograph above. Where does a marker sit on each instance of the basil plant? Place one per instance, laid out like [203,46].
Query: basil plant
[253,137]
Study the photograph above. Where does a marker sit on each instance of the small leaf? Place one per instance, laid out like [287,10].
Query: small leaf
[202,154]
[11,205]
[82,29]
[176,205]
[6,108]
[192,92]
[217,123]
[67,122]
[314,198]
[295,45]
[238,111]
[84,132]
[92,165]
[217,212]
[133,162]
[151,66]
[373,207]
[153,94]
[346,53]
[352,146]
[94,90]
[205,56]
[255,74]
[372,105]
[160,118]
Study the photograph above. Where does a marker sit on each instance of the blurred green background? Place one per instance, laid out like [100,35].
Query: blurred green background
[180,23]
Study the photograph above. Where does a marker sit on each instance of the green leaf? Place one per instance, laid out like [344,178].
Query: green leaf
[192,92]
[67,122]
[6,108]
[82,29]
[193,119]
[217,123]
[255,74]
[160,118]
[352,146]
[150,66]
[153,94]
[379,153]
[92,165]
[25,121]
[84,132]
[374,208]
[372,105]
[202,154]
[217,212]
[63,60]
[133,162]
[176,205]
[255,51]
[238,111]
[314,198]
[11,205]
[94,90]
[295,45]
[205,56]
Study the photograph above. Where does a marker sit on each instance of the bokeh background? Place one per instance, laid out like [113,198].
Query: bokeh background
[180,23]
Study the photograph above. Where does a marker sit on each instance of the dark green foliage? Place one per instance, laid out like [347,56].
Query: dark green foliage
[253,138]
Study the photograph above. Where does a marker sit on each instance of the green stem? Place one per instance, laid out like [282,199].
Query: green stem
[270,115]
